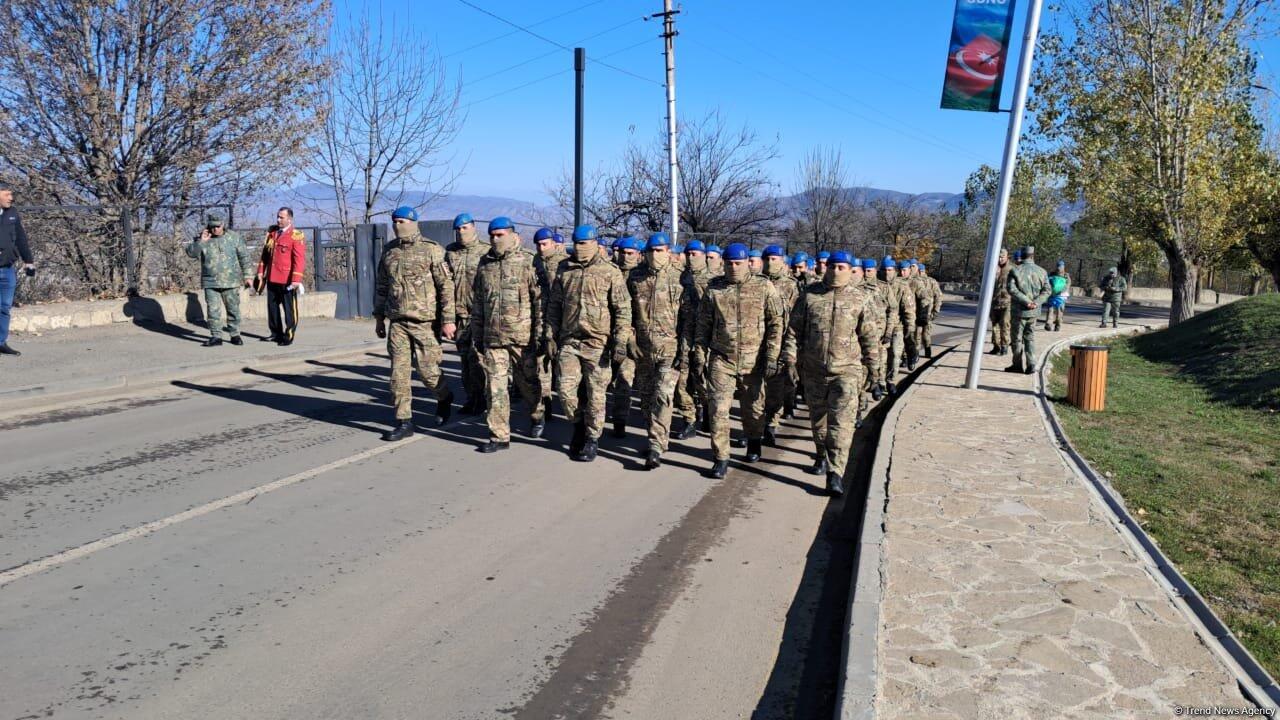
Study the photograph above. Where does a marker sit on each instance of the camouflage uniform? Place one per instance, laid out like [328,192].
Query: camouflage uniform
[689,390]
[902,297]
[928,305]
[1028,284]
[883,315]
[663,315]
[463,258]
[506,306]
[624,373]
[1000,310]
[740,325]
[414,293]
[1113,290]
[224,266]
[833,335]
[547,268]
[781,387]
[589,312]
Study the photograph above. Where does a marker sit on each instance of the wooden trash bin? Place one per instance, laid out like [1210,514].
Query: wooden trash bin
[1087,378]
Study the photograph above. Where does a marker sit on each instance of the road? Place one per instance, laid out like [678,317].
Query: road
[249,547]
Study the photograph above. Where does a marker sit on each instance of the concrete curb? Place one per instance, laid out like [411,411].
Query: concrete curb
[1253,679]
[859,660]
[38,397]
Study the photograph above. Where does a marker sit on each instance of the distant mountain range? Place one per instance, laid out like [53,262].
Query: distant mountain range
[312,201]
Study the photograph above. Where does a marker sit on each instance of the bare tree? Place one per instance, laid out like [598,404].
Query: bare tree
[393,111]
[824,202]
[151,103]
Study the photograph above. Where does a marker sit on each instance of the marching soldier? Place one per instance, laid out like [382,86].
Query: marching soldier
[690,398]
[225,267]
[506,306]
[715,261]
[463,256]
[662,312]
[903,301]
[414,291]
[820,266]
[928,305]
[589,312]
[780,390]
[627,255]
[740,324]
[879,293]
[547,262]
[833,334]
[1029,287]
[1000,303]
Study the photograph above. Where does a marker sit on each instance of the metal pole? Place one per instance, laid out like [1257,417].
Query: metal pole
[580,69]
[669,35]
[130,253]
[996,238]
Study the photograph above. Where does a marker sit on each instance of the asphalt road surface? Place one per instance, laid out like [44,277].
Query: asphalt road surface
[249,548]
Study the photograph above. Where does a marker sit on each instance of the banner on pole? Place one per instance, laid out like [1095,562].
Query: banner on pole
[975,63]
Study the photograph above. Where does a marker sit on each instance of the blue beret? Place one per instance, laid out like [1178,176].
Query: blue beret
[824,255]
[659,239]
[774,251]
[921,266]
[713,249]
[545,233]
[404,211]
[756,252]
[840,256]
[889,262]
[695,246]
[736,251]
[558,238]
[869,264]
[677,248]
[800,259]
[502,222]
[812,264]
[584,232]
[462,219]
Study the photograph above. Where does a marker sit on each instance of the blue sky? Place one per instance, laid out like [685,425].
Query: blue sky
[864,76]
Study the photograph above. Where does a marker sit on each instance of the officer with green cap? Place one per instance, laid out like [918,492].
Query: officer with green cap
[1028,288]
[225,267]
[1113,287]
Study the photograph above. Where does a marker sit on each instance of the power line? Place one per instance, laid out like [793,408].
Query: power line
[553,52]
[544,78]
[514,32]
[546,39]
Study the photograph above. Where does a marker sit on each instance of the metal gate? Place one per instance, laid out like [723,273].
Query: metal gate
[347,263]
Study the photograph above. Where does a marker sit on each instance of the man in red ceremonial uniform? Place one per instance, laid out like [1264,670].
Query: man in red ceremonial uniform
[283,264]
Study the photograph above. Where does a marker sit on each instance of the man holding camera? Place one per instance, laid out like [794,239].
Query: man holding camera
[14,254]
[225,266]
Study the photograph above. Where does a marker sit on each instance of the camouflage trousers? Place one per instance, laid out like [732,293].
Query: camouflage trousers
[689,389]
[501,366]
[869,379]
[724,380]
[413,345]
[215,299]
[624,380]
[1024,341]
[586,370]
[1053,318]
[1001,319]
[1111,310]
[656,383]
[777,390]
[894,348]
[473,381]
[833,412]
[922,337]
[546,373]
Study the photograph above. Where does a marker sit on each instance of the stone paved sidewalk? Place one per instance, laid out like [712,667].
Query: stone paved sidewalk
[1007,590]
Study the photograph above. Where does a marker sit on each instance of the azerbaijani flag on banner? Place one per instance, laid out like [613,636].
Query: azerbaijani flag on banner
[975,63]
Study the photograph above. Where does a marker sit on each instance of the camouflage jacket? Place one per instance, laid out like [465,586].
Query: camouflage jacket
[1000,298]
[902,297]
[937,296]
[662,311]
[788,290]
[463,261]
[1113,288]
[506,301]
[834,330]
[926,298]
[1028,284]
[224,260]
[741,322]
[414,282]
[589,304]
[879,293]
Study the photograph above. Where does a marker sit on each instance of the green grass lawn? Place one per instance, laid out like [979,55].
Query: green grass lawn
[1191,439]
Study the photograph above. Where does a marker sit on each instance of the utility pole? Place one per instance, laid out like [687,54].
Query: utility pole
[580,69]
[669,36]
[996,238]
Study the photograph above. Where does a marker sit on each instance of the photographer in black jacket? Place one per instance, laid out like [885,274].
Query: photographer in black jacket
[14,254]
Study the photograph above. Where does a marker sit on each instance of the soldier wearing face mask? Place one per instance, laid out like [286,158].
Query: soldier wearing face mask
[740,323]
[589,313]
[463,255]
[715,261]
[690,394]
[627,256]
[547,262]
[781,387]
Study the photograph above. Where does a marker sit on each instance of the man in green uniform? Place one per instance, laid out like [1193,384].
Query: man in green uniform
[506,306]
[928,305]
[414,291]
[1113,287]
[1028,287]
[662,313]
[225,267]
[627,256]
[740,325]
[780,388]
[834,335]
[547,262]
[715,261]
[879,293]
[903,300]
[1000,303]
[589,313]
[690,399]
[463,256]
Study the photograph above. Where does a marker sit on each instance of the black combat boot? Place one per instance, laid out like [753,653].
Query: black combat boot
[546,409]
[653,460]
[536,427]
[494,446]
[579,437]
[619,428]
[444,409]
[212,342]
[719,469]
[753,451]
[911,362]
[771,436]
[686,432]
[738,441]
[789,409]
[589,450]
[995,350]
[819,466]
[1016,367]
[1029,369]
[402,430]
[834,484]
[928,351]
[236,340]
[892,389]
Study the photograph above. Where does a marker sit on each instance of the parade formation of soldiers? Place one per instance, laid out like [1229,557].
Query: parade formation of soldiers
[688,330]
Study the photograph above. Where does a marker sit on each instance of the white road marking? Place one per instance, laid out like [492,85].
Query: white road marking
[87,549]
